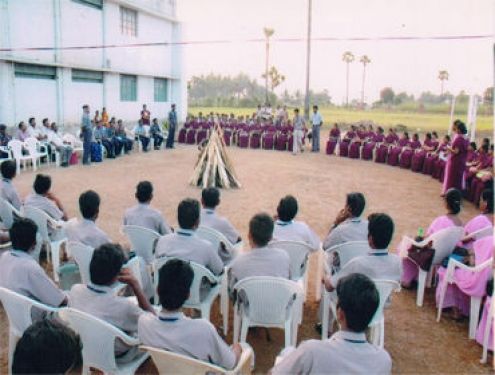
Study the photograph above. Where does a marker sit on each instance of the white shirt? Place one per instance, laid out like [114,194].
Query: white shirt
[36,132]
[296,231]
[101,302]
[261,261]
[344,353]
[9,193]
[44,204]
[86,232]
[195,338]
[210,219]
[55,139]
[316,119]
[378,264]
[185,244]
[144,216]
[354,229]
[21,273]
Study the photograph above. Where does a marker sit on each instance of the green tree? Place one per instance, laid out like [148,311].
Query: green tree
[387,95]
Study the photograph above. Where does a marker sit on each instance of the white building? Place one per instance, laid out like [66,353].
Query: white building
[56,82]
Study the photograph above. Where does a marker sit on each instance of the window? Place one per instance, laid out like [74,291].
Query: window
[161,90]
[87,76]
[92,3]
[128,21]
[128,88]
[35,71]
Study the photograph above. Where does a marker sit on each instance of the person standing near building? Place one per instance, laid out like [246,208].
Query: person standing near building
[317,121]
[298,133]
[86,135]
[145,115]
[172,124]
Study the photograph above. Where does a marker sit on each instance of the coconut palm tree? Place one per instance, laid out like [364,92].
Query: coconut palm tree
[268,33]
[347,57]
[443,76]
[365,60]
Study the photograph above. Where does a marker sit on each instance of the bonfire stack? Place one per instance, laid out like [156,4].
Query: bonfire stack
[214,168]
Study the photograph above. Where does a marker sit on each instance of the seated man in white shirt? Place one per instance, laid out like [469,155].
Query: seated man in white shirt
[62,147]
[98,298]
[347,351]
[348,225]
[8,191]
[210,199]
[261,260]
[288,229]
[142,214]
[21,273]
[185,244]
[172,331]
[85,230]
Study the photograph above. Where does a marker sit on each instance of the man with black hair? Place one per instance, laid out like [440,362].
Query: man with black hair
[379,263]
[47,347]
[8,192]
[173,331]
[348,226]
[21,273]
[210,199]
[85,230]
[288,229]
[35,131]
[261,260]
[347,351]
[44,200]
[185,244]
[142,214]
[98,298]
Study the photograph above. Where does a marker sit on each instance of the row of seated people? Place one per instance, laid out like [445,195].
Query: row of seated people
[254,133]
[428,157]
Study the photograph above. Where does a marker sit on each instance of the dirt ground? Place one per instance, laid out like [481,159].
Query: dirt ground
[416,342]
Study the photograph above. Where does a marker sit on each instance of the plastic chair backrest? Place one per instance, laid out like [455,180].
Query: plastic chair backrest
[82,255]
[444,242]
[16,147]
[350,250]
[98,339]
[143,241]
[6,213]
[298,253]
[268,298]
[18,309]
[173,363]
[32,146]
[385,289]
[40,218]
[134,265]
[484,232]
[214,237]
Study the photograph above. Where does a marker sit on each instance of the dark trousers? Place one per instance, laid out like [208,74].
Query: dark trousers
[109,147]
[145,141]
[158,140]
[171,137]
[117,145]
[87,151]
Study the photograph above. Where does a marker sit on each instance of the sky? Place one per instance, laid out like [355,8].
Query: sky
[410,66]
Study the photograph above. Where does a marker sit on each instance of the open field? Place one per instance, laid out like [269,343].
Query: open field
[414,121]
[416,342]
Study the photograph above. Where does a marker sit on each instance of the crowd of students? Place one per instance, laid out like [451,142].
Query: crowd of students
[347,351]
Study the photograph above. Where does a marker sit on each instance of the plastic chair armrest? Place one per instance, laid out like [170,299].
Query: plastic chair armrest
[129,340]
[5,245]
[244,364]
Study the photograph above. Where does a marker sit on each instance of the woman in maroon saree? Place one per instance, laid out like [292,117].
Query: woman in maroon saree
[344,145]
[408,152]
[456,162]
[420,155]
[431,155]
[439,160]
[482,180]
[383,149]
[393,157]
[355,147]
[333,139]
[374,140]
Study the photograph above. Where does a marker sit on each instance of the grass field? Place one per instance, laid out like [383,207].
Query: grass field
[414,121]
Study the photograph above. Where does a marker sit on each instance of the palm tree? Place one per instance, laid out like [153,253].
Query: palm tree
[268,33]
[443,76]
[347,57]
[365,60]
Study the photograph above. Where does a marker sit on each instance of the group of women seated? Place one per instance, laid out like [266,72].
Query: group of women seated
[427,156]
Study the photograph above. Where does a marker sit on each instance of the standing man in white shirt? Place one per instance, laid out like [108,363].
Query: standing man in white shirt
[298,133]
[288,229]
[347,351]
[317,121]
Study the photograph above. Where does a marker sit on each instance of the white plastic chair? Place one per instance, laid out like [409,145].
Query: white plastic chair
[484,232]
[76,145]
[82,255]
[33,147]
[7,212]
[490,323]
[143,241]
[216,238]
[98,339]
[134,265]
[177,364]
[43,220]
[444,242]
[264,301]
[18,309]
[348,251]
[195,301]
[16,148]
[377,324]
[475,301]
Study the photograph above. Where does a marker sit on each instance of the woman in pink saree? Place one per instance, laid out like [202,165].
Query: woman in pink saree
[456,162]
[393,156]
[483,220]
[408,152]
[333,139]
[420,155]
[480,332]
[452,200]
[467,283]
